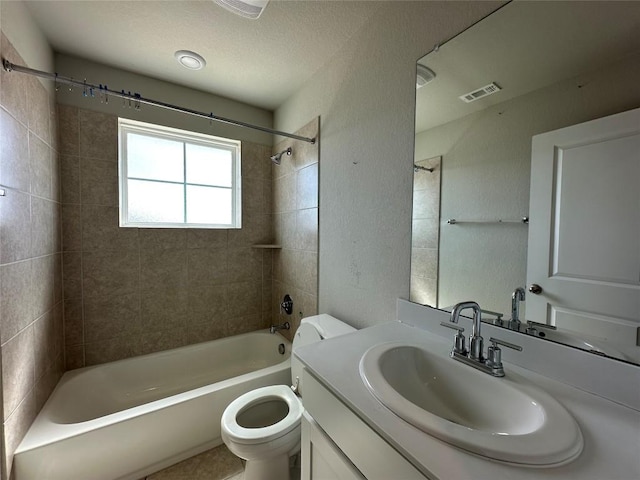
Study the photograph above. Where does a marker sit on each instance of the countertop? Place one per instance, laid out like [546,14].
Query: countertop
[611,431]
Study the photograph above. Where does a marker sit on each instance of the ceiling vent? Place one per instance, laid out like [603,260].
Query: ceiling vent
[480,93]
[247,8]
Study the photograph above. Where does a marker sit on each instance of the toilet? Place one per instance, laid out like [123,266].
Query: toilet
[263,425]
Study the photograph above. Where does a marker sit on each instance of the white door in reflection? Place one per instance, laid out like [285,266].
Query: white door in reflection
[584,231]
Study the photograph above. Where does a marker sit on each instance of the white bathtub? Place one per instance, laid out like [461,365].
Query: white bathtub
[126,419]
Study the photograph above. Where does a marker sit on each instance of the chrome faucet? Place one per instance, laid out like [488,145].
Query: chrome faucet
[492,364]
[475,348]
[516,298]
[275,328]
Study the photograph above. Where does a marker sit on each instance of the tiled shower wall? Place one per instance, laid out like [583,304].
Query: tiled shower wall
[30,258]
[130,291]
[425,232]
[295,219]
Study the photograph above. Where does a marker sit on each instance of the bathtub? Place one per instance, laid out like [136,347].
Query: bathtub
[129,418]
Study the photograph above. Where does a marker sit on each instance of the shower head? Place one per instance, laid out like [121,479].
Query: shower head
[417,168]
[278,156]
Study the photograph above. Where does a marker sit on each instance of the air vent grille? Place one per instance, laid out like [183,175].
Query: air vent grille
[480,93]
[247,8]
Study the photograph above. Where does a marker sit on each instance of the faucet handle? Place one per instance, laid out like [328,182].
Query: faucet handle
[494,355]
[459,339]
[453,326]
[496,341]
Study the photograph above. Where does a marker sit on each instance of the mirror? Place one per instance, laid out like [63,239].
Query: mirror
[529,68]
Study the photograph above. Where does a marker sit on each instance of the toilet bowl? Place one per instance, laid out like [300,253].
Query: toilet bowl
[263,425]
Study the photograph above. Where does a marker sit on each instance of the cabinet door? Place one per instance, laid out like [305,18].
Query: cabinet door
[321,458]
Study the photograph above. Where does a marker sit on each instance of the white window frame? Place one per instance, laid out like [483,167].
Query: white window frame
[126,126]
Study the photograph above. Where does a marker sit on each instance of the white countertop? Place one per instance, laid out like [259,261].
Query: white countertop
[611,431]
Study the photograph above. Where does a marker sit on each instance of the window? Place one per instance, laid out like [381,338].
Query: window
[172,178]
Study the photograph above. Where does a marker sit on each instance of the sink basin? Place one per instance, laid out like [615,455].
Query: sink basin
[504,419]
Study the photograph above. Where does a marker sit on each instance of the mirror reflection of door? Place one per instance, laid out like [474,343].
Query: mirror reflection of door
[585,184]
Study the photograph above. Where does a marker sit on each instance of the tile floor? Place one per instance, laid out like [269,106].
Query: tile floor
[215,464]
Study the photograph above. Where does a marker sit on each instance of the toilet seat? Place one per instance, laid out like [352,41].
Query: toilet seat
[244,435]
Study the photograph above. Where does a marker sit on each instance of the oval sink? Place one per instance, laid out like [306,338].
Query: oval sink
[498,418]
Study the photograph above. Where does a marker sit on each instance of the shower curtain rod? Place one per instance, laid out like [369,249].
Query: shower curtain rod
[138,99]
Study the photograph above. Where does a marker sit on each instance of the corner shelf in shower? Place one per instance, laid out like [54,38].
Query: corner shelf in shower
[266,246]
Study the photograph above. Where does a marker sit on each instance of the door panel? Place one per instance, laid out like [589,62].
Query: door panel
[584,230]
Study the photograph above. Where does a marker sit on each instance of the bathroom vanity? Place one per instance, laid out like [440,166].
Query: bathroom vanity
[349,434]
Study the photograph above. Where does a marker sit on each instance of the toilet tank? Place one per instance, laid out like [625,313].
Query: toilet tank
[314,329]
[327,326]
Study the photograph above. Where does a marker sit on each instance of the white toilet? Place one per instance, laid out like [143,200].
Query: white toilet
[263,425]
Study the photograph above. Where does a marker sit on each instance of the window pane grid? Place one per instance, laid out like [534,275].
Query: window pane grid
[203,202]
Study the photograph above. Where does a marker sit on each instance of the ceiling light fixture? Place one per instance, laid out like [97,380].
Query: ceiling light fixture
[247,8]
[424,76]
[190,60]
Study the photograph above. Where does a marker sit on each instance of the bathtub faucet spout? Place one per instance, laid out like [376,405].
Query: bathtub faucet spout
[275,328]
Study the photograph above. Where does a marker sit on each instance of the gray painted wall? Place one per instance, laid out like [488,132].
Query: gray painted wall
[365,98]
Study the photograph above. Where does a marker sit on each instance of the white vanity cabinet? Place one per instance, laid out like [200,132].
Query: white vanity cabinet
[338,445]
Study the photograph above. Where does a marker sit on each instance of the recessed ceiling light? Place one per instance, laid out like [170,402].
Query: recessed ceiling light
[190,60]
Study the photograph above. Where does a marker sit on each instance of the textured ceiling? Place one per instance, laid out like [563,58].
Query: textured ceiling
[260,62]
[522,47]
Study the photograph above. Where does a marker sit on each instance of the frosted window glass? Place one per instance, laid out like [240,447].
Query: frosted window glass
[155,202]
[208,205]
[209,166]
[154,158]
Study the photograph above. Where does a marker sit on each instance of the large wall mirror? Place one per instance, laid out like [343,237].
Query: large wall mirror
[527,69]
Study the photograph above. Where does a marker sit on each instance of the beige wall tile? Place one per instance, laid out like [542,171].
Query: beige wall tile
[204,332]
[46,383]
[42,271]
[160,340]
[18,368]
[97,132]
[306,234]
[70,178]
[256,229]
[73,322]
[245,298]
[74,357]
[163,270]
[71,227]
[43,226]
[245,324]
[163,309]
[201,238]
[306,272]
[152,239]
[424,233]
[44,347]
[110,350]
[110,273]
[15,227]
[285,229]
[14,153]
[284,193]
[72,275]
[38,109]
[207,266]
[208,304]
[101,230]
[41,167]
[244,264]
[111,317]
[16,427]
[307,187]
[424,262]
[98,182]
[16,305]
[68,130]
[307,153]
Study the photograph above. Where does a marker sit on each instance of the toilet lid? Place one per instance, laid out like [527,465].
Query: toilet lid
[244,435]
